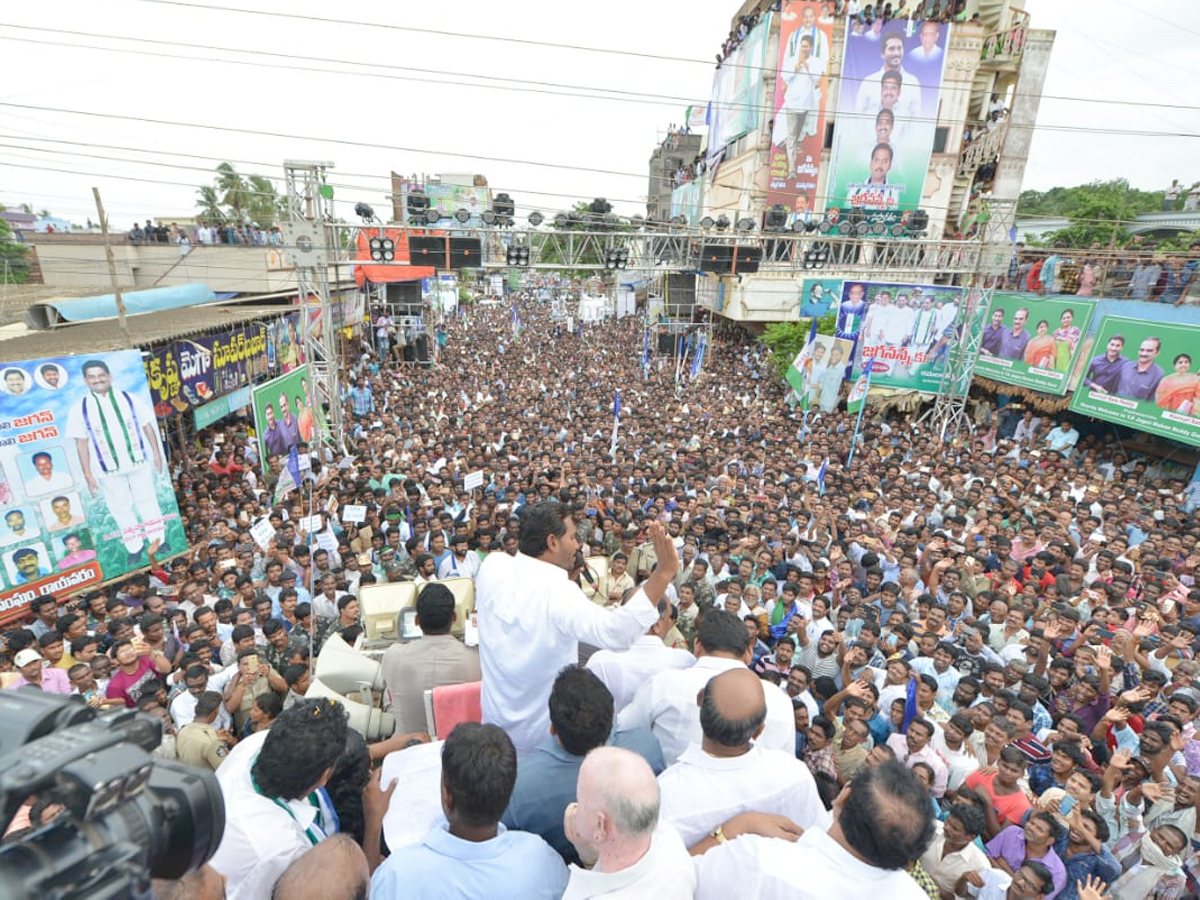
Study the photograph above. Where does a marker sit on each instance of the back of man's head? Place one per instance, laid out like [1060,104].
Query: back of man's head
[538,522]
[721,631]
[335,869]
[733,708]
[581,710]
[435,608]
[479,769]
[207,704]
[887,818]
[301,748]
[622,785]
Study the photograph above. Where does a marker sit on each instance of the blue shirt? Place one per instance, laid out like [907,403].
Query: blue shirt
[546,786]
[512,864]
[1139,385]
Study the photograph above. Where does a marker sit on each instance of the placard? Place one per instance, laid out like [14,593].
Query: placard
[473,480]
[353,514]
[263,533]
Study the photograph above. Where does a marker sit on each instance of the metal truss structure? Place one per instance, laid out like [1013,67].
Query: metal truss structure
[310,244]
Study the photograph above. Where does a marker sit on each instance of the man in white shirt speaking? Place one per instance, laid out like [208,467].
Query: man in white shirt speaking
[883,821]
[532,616]
[722,776]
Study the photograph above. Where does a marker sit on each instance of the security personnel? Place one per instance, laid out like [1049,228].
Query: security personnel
[198,743]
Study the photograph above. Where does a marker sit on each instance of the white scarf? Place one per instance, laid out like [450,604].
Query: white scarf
[1139,883]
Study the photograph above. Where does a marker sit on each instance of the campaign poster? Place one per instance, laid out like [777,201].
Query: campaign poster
[737,90]
[1144,375]
[84,480]
[1031,342]
[819,297]
[907,330]
[285,415]
[801,91]
[818,371]
[191,372]
[886,116]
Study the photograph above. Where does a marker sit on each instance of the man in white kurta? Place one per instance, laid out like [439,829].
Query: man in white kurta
[823,864]
[624,671]
[120,453]
[667,703]
[726,774]
[532,618]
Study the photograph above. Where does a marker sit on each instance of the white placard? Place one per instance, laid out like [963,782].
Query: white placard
[309,524]
[327,540]
[263,531]
[473,480]
[303,462]
[354,514]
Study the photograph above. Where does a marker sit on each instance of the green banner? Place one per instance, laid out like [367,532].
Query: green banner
[286,416]
[819,297]
[1032,341]
[221,407]
[1144,376]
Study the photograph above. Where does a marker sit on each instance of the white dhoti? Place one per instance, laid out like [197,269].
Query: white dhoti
[132,499]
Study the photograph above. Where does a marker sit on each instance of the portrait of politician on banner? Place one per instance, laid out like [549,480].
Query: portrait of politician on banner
[1031,341]
[84,461]
[286,416]
[909,331]
[1145,375]
[886,116]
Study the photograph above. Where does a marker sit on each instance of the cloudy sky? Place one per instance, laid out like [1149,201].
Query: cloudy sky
[553,102]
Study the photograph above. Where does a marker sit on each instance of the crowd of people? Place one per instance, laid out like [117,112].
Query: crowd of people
[948,671]
[203,232]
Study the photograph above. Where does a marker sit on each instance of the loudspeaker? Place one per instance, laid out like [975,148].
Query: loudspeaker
[380,606]
[666,342]
[404,298]
[466,253]
[427,251]
[463,590]
[716,258]
[747,260]
[346,670]
[372,723]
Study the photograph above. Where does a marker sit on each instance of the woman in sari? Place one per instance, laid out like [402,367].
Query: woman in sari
[1066,339]
[1039,352]
[1177,391]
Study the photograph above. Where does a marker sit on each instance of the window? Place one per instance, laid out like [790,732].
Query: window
[940,136]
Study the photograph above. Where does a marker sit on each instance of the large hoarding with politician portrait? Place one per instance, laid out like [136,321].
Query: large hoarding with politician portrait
[819,297]
[801,91]
[285,415]
[907,330]
[1031,341]
[737,94]
[1144,375]
[84,483]
[886,116]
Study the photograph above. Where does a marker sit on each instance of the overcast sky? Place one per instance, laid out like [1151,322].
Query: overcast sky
[548,124]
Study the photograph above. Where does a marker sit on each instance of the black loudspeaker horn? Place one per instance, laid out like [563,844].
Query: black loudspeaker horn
[716,258]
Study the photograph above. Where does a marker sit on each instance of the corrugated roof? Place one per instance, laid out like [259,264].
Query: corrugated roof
[18,342]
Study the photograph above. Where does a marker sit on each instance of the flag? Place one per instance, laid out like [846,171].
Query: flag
[646,352]
[821,476]
[698,357]
[858,393]
[910,704]
[289,478]
[612,450]
[516,321]
[797,373]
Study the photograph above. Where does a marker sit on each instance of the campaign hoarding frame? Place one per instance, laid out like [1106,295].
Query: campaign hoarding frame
[1042,352]
[279,431]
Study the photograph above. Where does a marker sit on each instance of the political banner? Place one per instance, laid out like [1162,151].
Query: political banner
[84,482]
[819,297]
[908,331]
[737,89]
[1032,341]
[188,373]
[1144,376]
[801,91]
[285,415]
[886,115]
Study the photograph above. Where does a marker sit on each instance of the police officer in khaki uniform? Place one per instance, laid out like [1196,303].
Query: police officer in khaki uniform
[198,743]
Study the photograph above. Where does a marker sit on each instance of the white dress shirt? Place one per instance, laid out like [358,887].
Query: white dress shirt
[531,620]
[183,712]
[959,763]
[453,567]
[947,869]
[261,838]
[664,873]
[623,672]
[813,868]
[702,791]
[666,704]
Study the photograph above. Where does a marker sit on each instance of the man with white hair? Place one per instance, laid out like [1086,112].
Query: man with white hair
[614,825]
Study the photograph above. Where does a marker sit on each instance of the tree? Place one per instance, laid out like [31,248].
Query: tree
[265,206]
[1097,211]
[14,267]
[235,192]
[786,339]
[209,204]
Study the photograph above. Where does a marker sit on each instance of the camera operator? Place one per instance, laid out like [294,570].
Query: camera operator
[276,808]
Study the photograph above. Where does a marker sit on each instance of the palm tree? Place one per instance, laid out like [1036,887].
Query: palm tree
[209,204]
[265,206]
[235,193]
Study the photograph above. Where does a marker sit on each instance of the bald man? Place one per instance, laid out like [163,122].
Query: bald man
[335,869]
[615,823]
[721,777]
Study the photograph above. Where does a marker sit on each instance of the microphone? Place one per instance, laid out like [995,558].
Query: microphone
[581,564]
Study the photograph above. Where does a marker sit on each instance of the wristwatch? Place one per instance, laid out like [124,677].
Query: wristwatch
[718,834]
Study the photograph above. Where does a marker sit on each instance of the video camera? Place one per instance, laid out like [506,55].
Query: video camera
[127,816]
